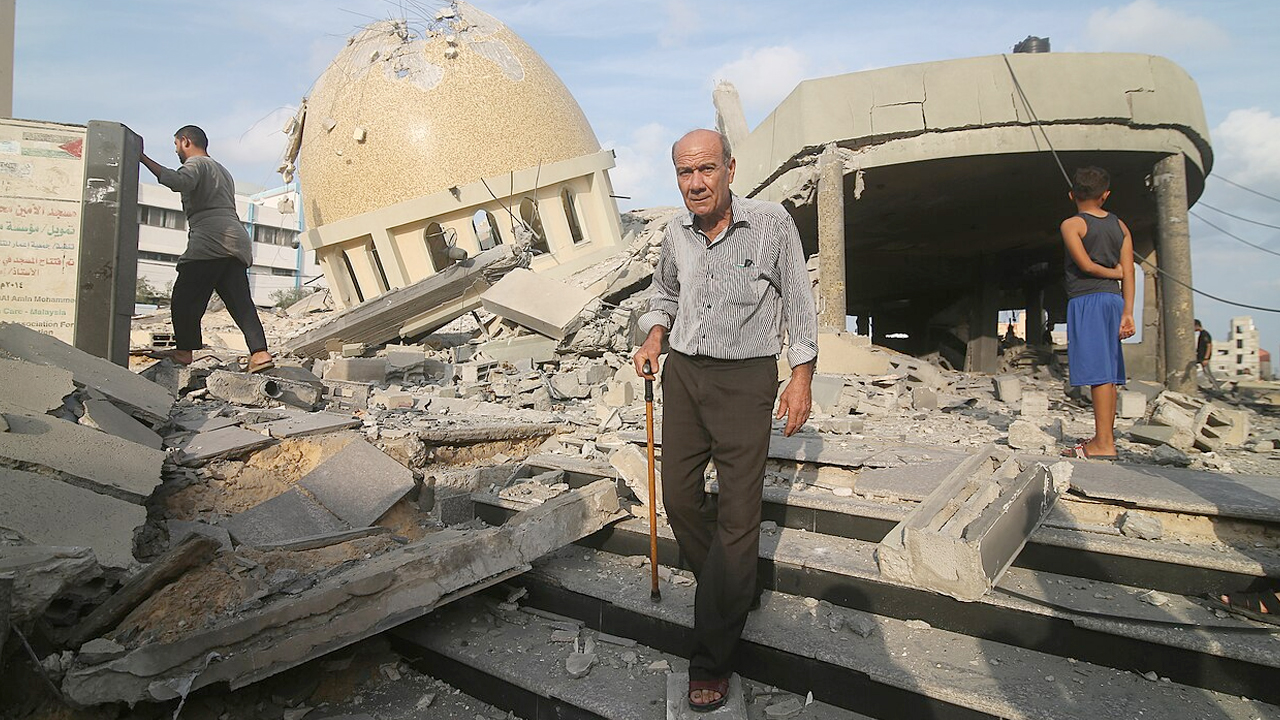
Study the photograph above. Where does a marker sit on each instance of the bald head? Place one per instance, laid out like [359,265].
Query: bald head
[702,136]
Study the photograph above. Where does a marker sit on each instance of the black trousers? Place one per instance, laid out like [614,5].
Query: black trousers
[717,410]
[196,283]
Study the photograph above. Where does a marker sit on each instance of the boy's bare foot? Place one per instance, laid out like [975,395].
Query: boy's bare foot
[1261,606]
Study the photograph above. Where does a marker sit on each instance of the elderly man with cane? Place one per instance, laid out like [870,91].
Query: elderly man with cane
[730,282]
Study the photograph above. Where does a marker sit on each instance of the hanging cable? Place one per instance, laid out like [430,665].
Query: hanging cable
[1233,237]
[1237,217]
[1246,189]
[1149,267]
[1031,111]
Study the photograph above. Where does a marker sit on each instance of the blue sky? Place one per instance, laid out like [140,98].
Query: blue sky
[643,72]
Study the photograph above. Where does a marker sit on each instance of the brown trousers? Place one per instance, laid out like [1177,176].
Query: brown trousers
[717,410]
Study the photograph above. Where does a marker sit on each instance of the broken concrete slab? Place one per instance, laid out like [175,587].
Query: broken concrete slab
[359,483]
[848,354]
[84,456]
[412,310]
[1027,435]
[1008,389]
[544,305]
[220,443]
[140,396]
[1152,434]
[38,388]
[632,465]
[285,517]
[963,537]
[103,415]
[299,424]
[298,387]
[47,511]
[43,573]
[1252,497]
[826,390]
[373,596]
[1131,404]
[537,348]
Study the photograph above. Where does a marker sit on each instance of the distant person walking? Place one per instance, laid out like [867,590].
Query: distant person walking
[219,251]
[1204,352]
[1099,283]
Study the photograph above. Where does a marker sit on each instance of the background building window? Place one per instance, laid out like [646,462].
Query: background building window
[161,217]
[268,235]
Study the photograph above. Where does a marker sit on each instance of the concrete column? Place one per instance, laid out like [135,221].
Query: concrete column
[1033,323]
[982,351]
[730,119]
[833,303]
[1173,243]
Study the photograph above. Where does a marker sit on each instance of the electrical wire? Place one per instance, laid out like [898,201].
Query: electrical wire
[1147,265]
[1233,237]
[1246,189]
[1237,217]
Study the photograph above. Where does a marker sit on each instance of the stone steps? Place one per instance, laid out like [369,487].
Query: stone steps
[882,666]
[516,661]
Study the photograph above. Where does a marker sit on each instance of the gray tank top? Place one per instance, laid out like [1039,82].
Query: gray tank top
[1103,239]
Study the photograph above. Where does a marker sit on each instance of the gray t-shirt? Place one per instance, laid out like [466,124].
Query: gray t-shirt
[1102,241]
[214,230]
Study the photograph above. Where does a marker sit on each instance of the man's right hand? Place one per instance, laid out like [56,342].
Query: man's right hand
[649,352]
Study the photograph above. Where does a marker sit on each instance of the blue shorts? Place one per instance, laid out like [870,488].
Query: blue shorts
[1094,356]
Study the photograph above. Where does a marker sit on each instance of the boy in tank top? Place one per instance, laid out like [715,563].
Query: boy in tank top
[1099,283]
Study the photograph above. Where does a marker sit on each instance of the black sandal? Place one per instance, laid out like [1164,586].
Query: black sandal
[1250,605]
[715,686]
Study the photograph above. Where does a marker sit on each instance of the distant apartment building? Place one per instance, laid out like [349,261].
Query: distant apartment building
[272,219]
[1237,357]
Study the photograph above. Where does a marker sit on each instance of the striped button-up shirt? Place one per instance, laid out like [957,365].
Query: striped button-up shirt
[733,298]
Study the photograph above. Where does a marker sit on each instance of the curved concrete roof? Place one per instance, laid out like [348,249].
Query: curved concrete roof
[404,112]
[971,107]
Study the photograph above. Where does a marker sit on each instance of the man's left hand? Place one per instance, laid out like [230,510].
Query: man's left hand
[797,399]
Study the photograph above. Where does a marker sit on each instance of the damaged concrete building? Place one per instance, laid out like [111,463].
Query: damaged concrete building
[422,139]
[943,200]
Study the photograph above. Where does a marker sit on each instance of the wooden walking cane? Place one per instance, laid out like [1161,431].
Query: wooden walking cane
[654,593]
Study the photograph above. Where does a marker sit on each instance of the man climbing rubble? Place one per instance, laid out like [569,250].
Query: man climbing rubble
[219,251]
[730,279]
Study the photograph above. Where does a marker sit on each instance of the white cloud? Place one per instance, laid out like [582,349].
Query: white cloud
[764,76]
[1146,26]
[1247,148]
[644,168]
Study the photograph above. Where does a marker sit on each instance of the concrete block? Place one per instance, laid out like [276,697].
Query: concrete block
[1149,390]
[252,390]
[110,465]
[475,371]
[298,386]
[38,388]
[568,385]
[962,538]
[619,393]
[632,464]
[536,348]
[353,350]
[364,370]
[848,354]
[105,416]
[1027,435]
[287,516]
[347,394]
[827,390]
[1008,389]
[1152,434]
[129,390]
[298,424]
[1131,404]
[923,398]
[1034,404]
[47,511]
[359,483]
[220,443]
[1238,433]
[544,305]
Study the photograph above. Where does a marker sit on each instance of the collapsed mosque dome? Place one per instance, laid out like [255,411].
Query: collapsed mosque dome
[408,109]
